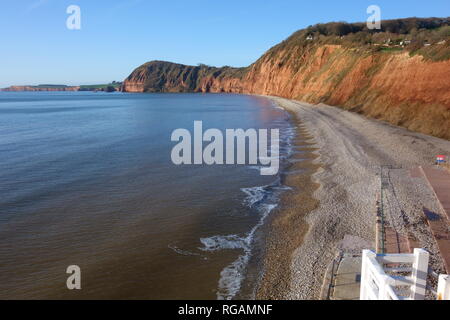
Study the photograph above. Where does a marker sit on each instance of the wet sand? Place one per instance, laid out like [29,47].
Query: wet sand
[287,226]
[334,195]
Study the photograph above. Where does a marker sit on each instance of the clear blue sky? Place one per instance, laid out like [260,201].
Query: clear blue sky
[118,35]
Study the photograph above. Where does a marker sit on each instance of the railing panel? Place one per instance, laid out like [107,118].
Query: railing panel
[395,258]
[373,275]
[391,293]
[398,269]
[402,281]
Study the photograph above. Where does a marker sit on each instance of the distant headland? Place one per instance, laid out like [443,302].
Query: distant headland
[109,87]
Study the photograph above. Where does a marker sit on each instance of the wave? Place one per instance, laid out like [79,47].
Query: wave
[231,277]
[285,148]
[262,198]
[185,252]
[254,195]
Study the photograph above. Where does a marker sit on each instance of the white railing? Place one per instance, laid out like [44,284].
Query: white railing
[383,277]
[443,291]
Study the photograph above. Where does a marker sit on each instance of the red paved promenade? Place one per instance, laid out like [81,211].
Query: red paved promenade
[440,182]
[439,223]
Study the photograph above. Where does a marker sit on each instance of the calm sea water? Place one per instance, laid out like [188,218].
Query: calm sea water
[86,179]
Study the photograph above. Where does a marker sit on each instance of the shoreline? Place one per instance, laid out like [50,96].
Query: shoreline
[286,226]
[337,196]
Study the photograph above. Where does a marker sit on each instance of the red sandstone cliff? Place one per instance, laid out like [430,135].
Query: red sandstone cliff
[395,86]
[403,90]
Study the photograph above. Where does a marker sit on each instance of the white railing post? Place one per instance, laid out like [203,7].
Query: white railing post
[419,274]
[443,291]
[363,295]
[362,285]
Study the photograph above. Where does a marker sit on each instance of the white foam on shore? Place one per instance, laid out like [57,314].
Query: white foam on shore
[232,276]
[262,198]
[285,148]
[185,252]
[254,195]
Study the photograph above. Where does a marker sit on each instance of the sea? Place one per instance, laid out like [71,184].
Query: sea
[86,180]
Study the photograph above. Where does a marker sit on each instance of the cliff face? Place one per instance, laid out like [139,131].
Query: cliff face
[395,86]
[161,76]
[403,90]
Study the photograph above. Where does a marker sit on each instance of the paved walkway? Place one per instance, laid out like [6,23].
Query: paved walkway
[440,183]
[395,242]
[439,223]
[347,279]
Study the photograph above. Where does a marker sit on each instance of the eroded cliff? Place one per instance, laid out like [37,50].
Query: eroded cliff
[382,81]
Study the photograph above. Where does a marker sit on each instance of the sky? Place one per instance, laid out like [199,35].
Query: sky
[117,36]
